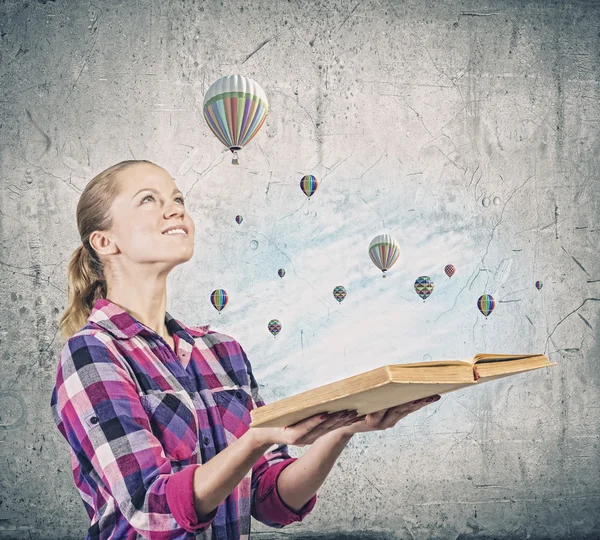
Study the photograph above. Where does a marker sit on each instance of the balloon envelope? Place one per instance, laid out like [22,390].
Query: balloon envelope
[309,184]
[235,108]
[274,327]
[449,270]
[538,285]
[486,304]
[239,219]
[424,287]
[281,272]
[219,299]
[339,293]
[384,252]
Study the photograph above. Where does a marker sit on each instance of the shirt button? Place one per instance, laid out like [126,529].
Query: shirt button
[206,441]
[94,419]
[191,395]
[169,398]
[238,395]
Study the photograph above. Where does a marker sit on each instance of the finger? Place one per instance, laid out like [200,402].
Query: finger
[309,423]
[335,421]
[348,420]
[310,432]
[395,414]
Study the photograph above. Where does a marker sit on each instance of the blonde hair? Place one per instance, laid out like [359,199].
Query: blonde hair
[86,277]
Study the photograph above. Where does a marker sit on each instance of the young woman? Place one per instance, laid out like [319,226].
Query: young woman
[157,413]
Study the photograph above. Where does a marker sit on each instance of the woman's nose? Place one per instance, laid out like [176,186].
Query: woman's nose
[174,209]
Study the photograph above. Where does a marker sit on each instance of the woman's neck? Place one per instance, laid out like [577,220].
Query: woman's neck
[145,301]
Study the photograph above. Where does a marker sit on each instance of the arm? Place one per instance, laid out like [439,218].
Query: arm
[300,481]
[284,488]
[97,409]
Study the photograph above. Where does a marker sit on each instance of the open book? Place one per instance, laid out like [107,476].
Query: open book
[392,385]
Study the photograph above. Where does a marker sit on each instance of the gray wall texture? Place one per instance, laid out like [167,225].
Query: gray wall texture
[467,130]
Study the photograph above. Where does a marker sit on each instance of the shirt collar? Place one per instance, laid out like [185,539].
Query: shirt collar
[122,325]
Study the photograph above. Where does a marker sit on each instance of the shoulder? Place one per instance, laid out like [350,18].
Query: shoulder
[87,346]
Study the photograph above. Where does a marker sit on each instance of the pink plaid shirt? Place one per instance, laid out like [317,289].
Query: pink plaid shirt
[140,418]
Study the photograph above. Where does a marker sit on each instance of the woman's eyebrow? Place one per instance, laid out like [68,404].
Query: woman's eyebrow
[155,191]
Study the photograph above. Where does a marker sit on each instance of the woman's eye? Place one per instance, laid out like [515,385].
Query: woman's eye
[152,196]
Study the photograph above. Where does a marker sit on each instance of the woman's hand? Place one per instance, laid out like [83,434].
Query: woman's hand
[386,418]
[343,422]
[306,431]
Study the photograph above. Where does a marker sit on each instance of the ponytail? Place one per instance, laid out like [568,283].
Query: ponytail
[87,281]
[86,285]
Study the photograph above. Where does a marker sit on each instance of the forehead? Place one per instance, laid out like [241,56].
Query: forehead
[144,175]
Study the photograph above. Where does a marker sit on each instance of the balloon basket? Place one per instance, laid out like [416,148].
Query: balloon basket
[235,160]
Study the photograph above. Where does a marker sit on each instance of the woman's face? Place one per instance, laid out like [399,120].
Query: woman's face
[148,205]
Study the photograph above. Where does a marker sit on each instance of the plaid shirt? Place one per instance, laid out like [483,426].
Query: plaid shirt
[140,418]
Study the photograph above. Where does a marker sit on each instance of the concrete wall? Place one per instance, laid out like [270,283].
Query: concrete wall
[467,130]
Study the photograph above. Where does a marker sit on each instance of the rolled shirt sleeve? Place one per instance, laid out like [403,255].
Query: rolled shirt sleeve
[97,409]
[266,504]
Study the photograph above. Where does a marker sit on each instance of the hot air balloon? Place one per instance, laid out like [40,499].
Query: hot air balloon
[219,299]
[281,272]
[235,108]
[309,184]
[449,269]
[274,327]
[384,252]
[538,285]
[424,287]
[239,219]
[339,293]
[486,304]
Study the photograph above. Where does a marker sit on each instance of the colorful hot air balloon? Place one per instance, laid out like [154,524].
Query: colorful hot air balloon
[486,304]
[281,272]
[538,285]
[339,293]
[384,252]
[424,287]
[239,219]
[274,327]
[449,269]
[309,184]
[235,108]
[219,299]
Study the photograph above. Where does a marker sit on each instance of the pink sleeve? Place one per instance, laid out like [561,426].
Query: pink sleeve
[269,506]
[180,498]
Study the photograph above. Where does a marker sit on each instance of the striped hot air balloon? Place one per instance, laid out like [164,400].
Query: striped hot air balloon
[424,287]
[239,219]
[309,184]
[281,272]
[384,252]
[449,269]
[538,285]
[235,108]
[274,327]
[339,293]
[486,304]
[219,299]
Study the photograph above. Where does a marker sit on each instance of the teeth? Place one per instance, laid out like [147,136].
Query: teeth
[175,231]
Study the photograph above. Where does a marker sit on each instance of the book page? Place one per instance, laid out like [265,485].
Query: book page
[487,357]
[437,363]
